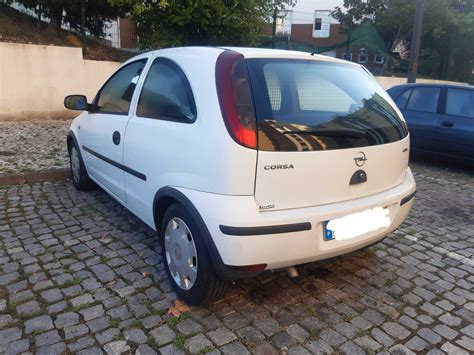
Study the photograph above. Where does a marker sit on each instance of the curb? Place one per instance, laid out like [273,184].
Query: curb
[52,175]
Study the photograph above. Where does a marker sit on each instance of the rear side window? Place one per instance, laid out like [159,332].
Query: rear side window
[116,94]
[403,99]
[306,105]
[424,99]
[166,94]
[460,103]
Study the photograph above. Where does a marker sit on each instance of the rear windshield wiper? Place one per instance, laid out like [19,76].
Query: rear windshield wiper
[332,132]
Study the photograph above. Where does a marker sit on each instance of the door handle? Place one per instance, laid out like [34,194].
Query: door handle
[447,124]
[116,137]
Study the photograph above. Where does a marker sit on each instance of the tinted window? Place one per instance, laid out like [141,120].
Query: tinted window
[424,99]
[403,99]
[166,93]
[460,103]
[116,95]
[314,102]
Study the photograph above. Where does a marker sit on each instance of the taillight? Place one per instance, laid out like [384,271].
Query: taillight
[235,98]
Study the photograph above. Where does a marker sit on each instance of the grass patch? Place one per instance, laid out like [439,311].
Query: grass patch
[346,317]
[173,321]
[38,331]
[314,333]
[153,344]
[136,324]
[362,332]
[206,349]
[114,323]
[80,307]
[178,342]
[73,282]
[11,307]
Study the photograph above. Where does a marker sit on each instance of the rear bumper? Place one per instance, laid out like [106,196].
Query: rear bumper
[245,236]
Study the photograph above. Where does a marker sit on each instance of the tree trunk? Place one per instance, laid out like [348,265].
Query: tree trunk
[56,15]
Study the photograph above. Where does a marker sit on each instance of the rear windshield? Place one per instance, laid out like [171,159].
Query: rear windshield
[305,105]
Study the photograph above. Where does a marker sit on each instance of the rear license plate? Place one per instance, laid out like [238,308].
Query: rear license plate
[356,224]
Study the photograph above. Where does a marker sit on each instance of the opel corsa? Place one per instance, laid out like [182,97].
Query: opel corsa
[245,160]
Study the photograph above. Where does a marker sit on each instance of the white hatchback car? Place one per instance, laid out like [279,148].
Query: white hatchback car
[245,160]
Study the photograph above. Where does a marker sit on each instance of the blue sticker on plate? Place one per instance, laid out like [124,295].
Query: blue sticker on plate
[328,235]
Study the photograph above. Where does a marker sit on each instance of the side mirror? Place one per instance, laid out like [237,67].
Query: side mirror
[76,102]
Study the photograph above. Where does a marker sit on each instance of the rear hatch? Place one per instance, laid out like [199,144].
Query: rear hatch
[326,133]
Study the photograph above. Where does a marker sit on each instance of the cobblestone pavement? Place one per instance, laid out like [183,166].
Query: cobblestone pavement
[81,274]
[33,145]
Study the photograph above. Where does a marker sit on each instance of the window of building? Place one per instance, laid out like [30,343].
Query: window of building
[347,56]
[318,23]
[363,55]
[379,58]
[322,24]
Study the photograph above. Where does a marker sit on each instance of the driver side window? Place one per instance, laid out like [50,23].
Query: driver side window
[116,94]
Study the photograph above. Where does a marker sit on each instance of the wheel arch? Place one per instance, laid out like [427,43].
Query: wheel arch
[168,195]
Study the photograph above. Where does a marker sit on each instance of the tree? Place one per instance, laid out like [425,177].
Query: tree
[448,34]
[448,31]
[68,12]
[353,13]
[165,23]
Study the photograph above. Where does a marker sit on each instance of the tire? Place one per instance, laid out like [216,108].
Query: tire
[78,171]
[198,283]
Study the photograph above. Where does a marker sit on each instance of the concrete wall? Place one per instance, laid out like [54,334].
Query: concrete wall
[34,79]
[388,81]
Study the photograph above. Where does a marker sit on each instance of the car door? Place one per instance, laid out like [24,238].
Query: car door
[421,114]
[456,126]
[158,135]
[103,131]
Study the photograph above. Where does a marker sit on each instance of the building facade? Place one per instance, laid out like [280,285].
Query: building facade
[310,22]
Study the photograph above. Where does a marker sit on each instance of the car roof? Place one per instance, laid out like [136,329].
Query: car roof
[441,85]
[247,52]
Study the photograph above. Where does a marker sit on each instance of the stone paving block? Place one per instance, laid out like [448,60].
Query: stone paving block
[9,335]
[55,349]
[235,348]
[92,312]
[116,347]
[319,347]
[197,343]
[351,348]
[221,336]
[163,334]
[66,319]
[135,336]
[74,331]
[47,338]
[28,308]
[17,347]
[41,323]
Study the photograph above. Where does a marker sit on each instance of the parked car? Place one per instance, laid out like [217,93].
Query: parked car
[440,118]
[245,160]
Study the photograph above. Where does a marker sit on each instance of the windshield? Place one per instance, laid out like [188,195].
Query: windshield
[305,105]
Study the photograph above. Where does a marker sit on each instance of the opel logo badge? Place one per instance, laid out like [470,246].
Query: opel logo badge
[360,159]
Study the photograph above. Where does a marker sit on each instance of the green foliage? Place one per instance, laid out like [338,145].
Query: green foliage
[98,12]
[168,23]
[447,49]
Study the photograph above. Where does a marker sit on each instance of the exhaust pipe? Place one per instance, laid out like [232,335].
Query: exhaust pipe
[292,272]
